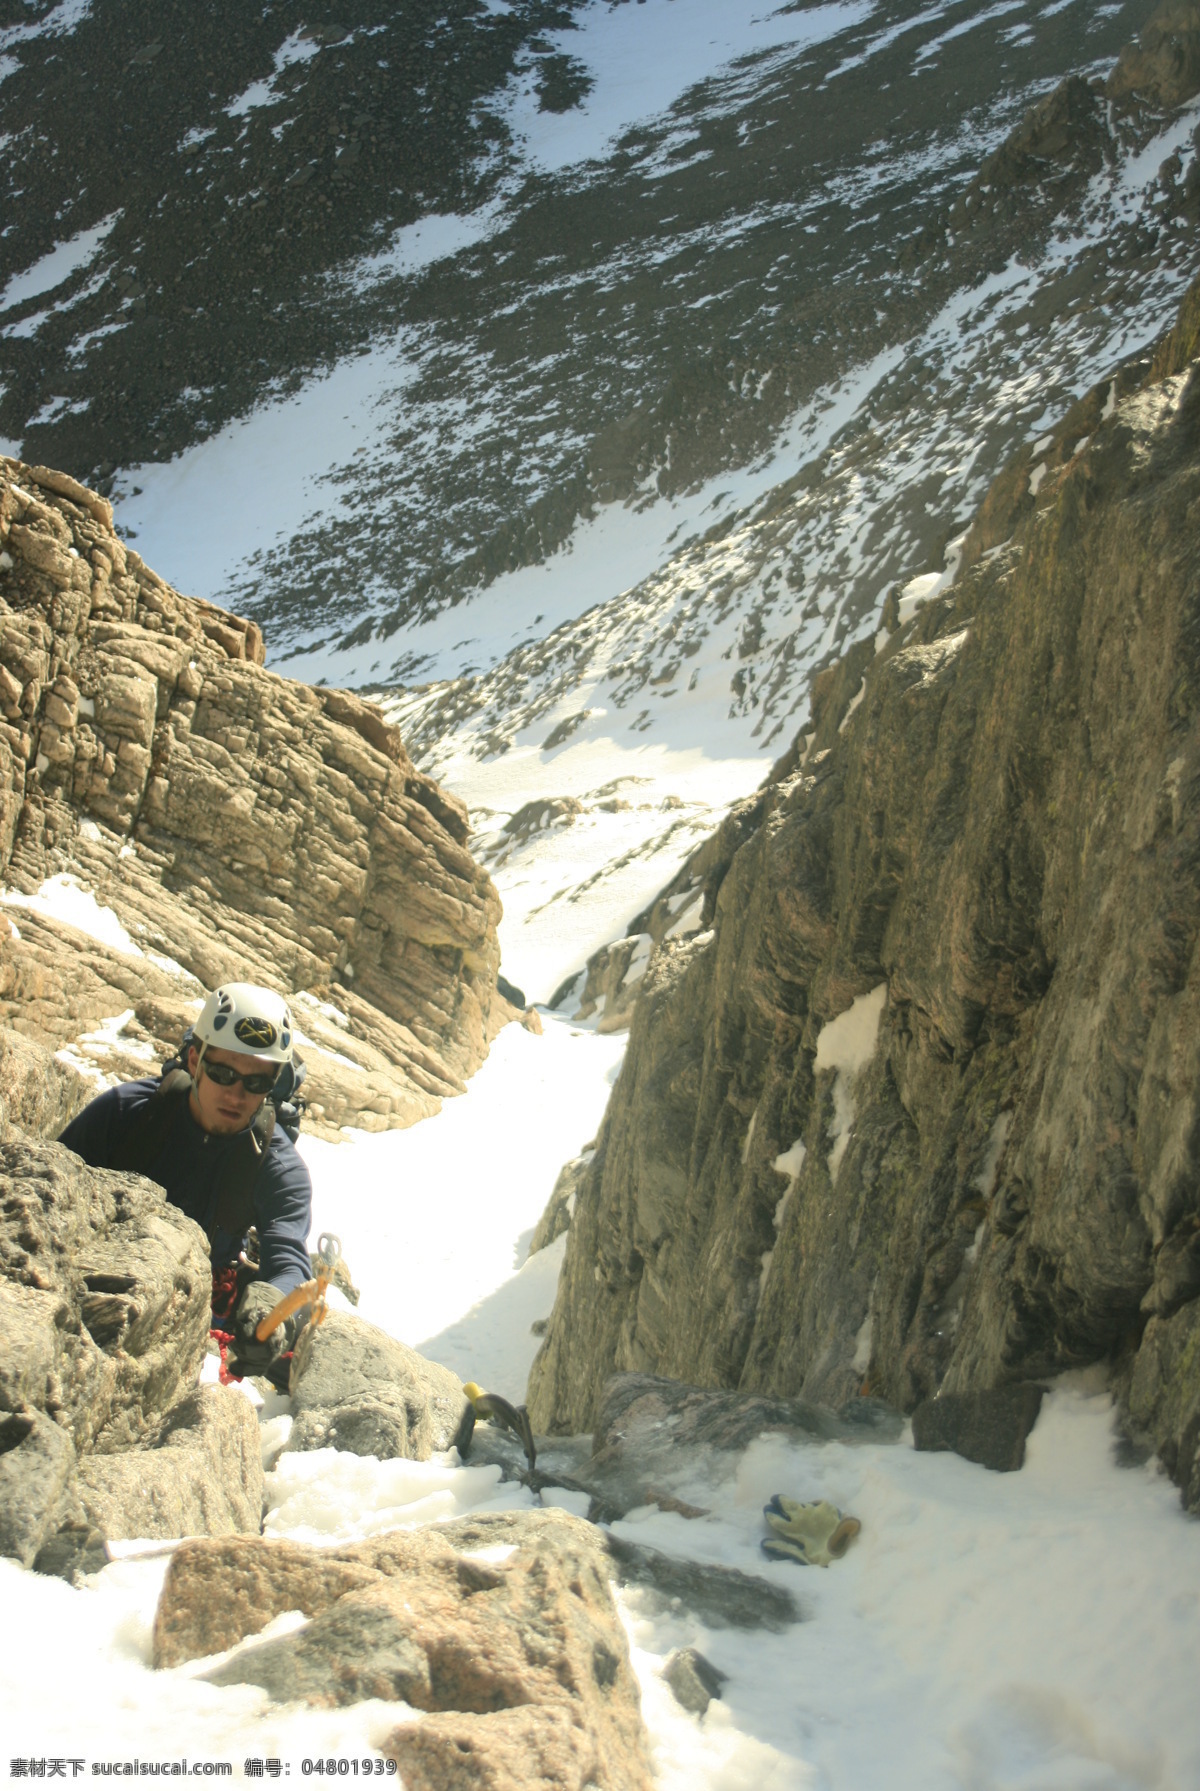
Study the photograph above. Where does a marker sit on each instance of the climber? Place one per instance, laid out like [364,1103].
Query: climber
[207,1134]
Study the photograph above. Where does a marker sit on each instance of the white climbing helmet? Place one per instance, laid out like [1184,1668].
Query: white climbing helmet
[243,1017]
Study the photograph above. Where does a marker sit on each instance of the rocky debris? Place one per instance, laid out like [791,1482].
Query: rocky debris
[238,825]
[355,1388]
[104,1312]
[693,1679]
[199,1474]
[722,1597]
[917,1115]
[502,1627]
[989,1427]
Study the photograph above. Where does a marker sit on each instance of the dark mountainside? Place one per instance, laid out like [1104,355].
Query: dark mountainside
[642,321]
[991,844]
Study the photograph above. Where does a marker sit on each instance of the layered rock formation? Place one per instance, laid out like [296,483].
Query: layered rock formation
[236,823]
[916,1108]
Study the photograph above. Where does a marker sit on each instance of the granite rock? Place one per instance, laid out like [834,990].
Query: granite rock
[198,1474]
[355,1388]
[501,1627]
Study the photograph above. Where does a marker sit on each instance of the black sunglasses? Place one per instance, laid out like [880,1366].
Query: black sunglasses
[261,1082]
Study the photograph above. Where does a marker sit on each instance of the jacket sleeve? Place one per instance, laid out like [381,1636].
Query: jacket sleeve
[283,1217]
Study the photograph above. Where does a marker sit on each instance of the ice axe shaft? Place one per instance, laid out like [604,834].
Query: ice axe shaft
[329,1249]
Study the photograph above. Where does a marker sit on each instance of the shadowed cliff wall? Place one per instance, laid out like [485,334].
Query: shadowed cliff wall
[991,1168]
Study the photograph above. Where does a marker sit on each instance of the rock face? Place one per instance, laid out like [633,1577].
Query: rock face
[355,1388]
[502,1627]
[104,1313]
[238,824]
[919,1109]
[199,1474]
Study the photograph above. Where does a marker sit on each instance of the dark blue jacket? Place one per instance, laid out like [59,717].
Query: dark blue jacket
[189,1169]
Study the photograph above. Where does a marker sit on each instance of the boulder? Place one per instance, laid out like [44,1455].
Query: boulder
[722,1597]
[199,1474]
[355,1388]
[104,1296]
[693,1679]
[501,1627]
[219,1591]
[988,1427]
[537,1748]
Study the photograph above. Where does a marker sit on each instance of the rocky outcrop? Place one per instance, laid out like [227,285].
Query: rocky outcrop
[199,1474]
[236,824]
[1163,67]
[502,1628]
[917,1109]
[104,1314]
[355,1388]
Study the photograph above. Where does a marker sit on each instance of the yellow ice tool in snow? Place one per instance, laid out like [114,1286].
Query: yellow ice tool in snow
[492,1408]
[813,1534]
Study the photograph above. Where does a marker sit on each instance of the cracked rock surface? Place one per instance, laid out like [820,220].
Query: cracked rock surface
[982,865]
[238,824]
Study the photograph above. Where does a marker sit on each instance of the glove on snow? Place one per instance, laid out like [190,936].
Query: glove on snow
[813,1534]
[247,1355]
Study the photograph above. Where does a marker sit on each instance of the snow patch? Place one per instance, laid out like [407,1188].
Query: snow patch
[296,48]
[62,898]
[58,265]
[847,1045]
[640,63]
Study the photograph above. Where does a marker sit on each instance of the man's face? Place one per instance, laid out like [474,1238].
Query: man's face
[224,1110]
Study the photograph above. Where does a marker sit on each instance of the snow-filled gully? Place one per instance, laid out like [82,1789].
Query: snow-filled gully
[1024,1632]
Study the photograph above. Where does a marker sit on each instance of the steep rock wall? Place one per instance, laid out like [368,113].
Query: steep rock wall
[237,823]
[982,865]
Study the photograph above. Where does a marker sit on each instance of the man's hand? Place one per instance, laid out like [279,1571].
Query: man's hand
[247,1355]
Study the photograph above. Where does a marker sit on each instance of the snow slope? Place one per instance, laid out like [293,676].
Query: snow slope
[672,634]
